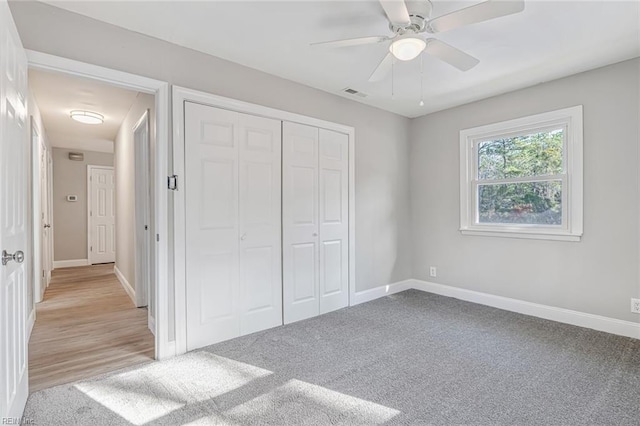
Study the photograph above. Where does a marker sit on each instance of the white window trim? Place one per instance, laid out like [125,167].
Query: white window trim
[572,202]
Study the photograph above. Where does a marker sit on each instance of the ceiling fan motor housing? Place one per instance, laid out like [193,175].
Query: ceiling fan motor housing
[419,14]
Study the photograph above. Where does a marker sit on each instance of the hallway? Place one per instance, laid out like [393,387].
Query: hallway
[85,326]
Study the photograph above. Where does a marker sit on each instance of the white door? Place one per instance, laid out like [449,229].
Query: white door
[260,223]
[232,184]
[45,224]
[300,221]
[14,222]
[142,212]
[102,215]
[334,220]
[315,221]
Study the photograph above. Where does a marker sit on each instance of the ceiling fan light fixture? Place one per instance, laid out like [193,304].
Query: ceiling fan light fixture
[87,117]
[407,48]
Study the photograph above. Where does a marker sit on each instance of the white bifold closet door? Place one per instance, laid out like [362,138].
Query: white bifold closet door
[315,221]
[233,224]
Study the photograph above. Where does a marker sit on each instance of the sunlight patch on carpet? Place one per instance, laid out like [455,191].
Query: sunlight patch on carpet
[149,393]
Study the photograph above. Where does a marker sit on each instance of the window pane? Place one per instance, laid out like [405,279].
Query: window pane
[536,154]
[537,203]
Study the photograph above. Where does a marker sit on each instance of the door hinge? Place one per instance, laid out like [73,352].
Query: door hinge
[172,182]
[91,249]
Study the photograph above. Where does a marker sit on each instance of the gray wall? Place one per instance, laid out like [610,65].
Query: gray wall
[597,275]
[382,181]
[125,187]
[70,218]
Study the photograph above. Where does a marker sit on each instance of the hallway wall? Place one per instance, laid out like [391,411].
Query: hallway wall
[125,187]
[70,218]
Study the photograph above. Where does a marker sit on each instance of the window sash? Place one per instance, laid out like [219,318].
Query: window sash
[475,203]
[475,182]
[546,127]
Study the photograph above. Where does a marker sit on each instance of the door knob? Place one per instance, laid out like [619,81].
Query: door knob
[17,257]
[243,237]
[315,234]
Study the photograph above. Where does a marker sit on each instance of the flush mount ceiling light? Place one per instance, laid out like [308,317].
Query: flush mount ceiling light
[407,47]
[87,117]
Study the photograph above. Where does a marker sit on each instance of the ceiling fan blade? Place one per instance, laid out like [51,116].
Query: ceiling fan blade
[480,12]
[396,11]
[383,68]
[351,42]
[450,54]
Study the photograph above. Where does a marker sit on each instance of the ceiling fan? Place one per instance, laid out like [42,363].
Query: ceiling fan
[409,19]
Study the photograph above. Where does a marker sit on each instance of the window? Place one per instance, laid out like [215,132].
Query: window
[523,178]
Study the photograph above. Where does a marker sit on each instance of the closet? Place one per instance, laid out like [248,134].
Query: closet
[266,233]
[233,224]
[315,221]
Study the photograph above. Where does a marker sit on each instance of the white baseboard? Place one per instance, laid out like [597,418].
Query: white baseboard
[567,316]
[385,290]
[31,321]
[152,324]
[166,351]
[125,284]
[70,263]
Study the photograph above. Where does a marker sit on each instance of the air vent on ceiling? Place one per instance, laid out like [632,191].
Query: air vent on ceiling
[354,92]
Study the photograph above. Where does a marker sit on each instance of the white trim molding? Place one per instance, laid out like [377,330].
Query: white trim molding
[72,263]
[151,324]
[125,284]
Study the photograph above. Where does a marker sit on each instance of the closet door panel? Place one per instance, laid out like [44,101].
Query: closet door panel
[334,220]
[300,222]
[212,261]
[260,223]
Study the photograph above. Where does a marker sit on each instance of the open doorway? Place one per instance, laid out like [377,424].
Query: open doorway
[94,314]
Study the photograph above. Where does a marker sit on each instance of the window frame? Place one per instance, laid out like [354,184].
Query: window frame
[571,177]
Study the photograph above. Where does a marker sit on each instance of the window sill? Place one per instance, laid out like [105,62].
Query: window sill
[521,234]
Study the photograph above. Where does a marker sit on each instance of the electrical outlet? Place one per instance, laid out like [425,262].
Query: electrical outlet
[635,306]
[433,271]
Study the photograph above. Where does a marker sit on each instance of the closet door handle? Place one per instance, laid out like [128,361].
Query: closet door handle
[243,237]
[315,234]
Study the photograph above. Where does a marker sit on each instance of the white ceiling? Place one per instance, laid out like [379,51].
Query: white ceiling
[549,40]
[58,94]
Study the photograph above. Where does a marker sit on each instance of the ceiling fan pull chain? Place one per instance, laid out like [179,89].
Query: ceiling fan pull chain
[393,66]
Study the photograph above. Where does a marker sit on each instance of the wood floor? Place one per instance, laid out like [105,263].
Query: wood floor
[85,326]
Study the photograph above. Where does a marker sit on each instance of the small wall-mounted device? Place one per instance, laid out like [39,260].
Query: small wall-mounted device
[72,198]
[76,156]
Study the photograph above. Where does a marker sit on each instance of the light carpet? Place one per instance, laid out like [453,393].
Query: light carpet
[410,358]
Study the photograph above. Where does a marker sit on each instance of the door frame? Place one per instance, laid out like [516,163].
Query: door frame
[41,263]
[36,212]
[90,168]
[164,344]
[180,95]
[142,211]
